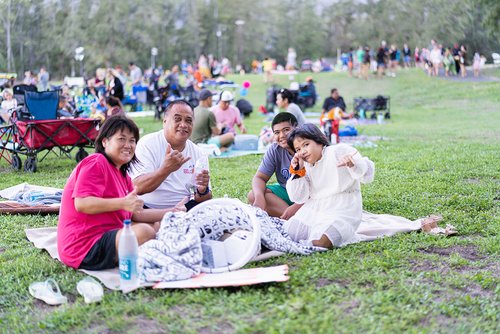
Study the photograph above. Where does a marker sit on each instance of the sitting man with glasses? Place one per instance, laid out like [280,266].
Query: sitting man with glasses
[273,198]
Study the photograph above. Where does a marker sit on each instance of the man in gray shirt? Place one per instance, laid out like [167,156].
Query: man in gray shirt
[273,198]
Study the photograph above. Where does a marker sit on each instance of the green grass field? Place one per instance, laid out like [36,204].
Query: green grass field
[442,156]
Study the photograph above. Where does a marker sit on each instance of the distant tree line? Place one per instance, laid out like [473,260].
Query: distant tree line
[46,33]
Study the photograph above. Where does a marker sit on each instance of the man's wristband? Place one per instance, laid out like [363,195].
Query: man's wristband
[207,190]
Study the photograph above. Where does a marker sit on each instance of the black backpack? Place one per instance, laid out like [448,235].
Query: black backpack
[244,106]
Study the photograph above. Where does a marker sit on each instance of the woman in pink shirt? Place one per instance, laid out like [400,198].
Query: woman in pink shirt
[99,196]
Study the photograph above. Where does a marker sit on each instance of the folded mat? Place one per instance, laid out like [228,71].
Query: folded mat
[13,207]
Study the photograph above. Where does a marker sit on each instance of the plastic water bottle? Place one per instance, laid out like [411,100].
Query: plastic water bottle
[362,114]
[200,165]
[128,251]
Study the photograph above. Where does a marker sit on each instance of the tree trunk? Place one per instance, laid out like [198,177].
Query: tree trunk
[8,42]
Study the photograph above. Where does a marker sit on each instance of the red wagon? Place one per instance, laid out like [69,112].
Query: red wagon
[32,136]
[60,136]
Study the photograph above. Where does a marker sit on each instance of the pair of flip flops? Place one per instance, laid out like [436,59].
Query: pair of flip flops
[49,291]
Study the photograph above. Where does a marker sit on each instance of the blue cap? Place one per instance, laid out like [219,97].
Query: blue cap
[127,222]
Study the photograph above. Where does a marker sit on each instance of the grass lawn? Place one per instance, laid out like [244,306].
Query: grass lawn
[442,156]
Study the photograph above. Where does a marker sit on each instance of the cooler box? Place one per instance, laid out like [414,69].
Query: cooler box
[246,143]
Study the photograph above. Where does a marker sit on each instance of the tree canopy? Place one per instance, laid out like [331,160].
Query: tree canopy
[46,33]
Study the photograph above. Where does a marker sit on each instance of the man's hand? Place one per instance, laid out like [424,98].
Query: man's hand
[132,202]
[201,181]
[173,160]
[260,202]
[290,211]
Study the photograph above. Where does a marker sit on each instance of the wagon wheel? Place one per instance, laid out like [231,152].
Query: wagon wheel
[81,154]
[30,164]
[16,162]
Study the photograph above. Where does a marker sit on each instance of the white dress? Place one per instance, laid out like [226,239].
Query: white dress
[331,195]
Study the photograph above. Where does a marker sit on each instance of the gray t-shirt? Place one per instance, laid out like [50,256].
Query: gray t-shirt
[299,115]
[276,160]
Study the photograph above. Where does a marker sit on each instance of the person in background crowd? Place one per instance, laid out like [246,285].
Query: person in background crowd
[43,79]
[8,104]
[205,128]
[284,100]
[227,115]
[135,74]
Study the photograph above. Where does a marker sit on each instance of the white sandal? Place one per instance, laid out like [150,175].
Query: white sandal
[48,291]
[90,289]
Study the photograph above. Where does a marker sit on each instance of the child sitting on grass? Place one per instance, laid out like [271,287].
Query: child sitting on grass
[327,180]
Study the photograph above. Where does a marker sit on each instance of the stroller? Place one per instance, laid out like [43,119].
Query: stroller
[329,123]
[35,128]
[164,95]
[377,104]
[271,94]
[304,97]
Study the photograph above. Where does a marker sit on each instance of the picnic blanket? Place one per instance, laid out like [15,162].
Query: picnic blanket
[46,238]
[373,226]
[26,198]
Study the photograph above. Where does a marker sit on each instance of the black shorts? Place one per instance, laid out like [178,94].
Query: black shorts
[189,205]
[103,255]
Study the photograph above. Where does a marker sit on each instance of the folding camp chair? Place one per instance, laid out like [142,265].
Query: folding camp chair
[42,105]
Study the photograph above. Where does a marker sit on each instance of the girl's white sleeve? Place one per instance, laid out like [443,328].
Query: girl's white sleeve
[363,169]
[298,189]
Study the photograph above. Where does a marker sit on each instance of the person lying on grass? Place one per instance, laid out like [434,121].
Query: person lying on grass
[99,196]
[326,179]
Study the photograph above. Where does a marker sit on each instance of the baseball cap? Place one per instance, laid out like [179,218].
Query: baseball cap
[226,96]
[205,94]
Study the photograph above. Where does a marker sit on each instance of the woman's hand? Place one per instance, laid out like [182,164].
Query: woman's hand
[181,206]
[132,202]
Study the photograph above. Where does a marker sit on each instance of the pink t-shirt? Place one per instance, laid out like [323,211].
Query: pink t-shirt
[77,232]
[229,117]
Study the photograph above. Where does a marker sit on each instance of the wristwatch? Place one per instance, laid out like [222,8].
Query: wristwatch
[207,190]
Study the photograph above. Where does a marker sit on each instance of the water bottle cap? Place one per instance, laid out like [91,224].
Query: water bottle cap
[127,222]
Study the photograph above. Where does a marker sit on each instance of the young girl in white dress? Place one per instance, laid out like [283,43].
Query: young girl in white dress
[327,180]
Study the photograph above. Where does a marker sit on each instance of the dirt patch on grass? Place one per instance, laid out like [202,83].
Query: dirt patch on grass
[428,265]
[223,327]
[438,319]
[325,282]
[2,250]
[350,305]
[146,325]
[468,252]
[472,180]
